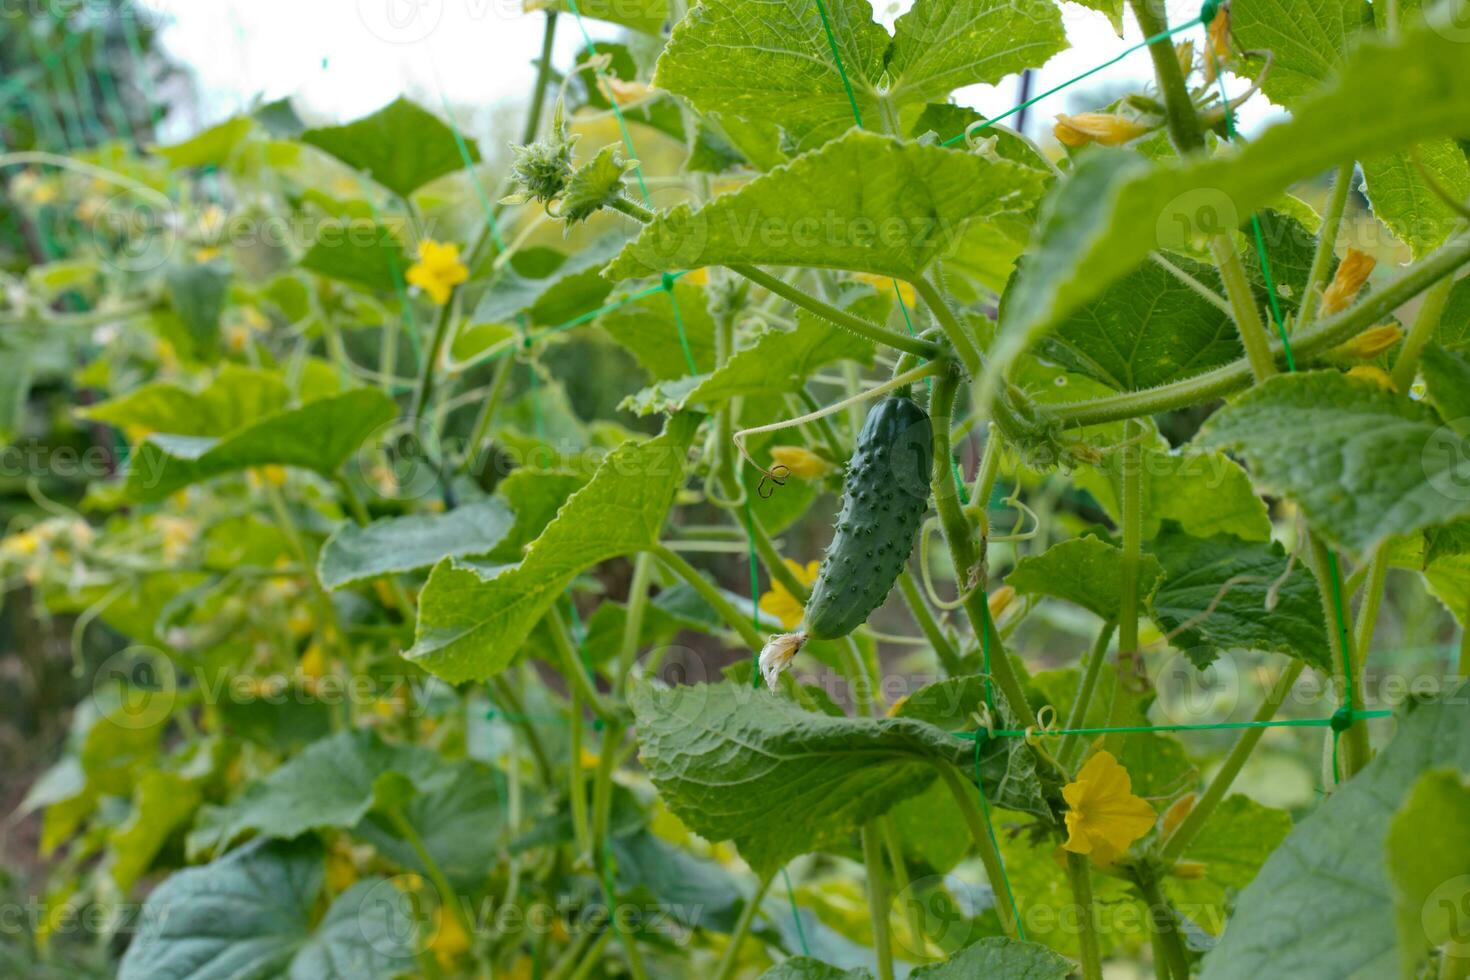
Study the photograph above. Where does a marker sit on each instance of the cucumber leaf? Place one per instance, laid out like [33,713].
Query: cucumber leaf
[1083,571]
[402,146]
[404,544]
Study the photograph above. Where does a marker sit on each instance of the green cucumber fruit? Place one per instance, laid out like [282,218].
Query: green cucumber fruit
[884,498]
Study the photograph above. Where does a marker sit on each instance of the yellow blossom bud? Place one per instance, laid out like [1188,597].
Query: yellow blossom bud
[1097,127]
[1353,271]
[1175,815]
[1373,375]
[802,462]
[1370,343]
[1000,600]
[1190,870]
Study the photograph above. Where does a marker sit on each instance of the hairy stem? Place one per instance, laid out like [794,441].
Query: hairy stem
[1253,334]
[707,591]
[949,658]
[742,928]
[1342,183]
[1183,121]
[1079,875]
[984,843]
[1319,339]
[877,900]
[1165,927]
[633,624]
[1066,752]
[1131,502]
[1422,332]
[1329,584]
[856,324]
[968,562]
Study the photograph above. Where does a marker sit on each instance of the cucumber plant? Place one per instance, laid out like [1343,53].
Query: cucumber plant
[456,586]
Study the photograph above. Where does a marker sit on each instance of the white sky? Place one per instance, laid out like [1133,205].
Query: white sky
[344,58]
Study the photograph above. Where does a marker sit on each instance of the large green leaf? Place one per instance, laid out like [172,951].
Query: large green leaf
[458,817]
[1320,905]
[863,203]
[1363,463]
[648,330]
[806,968]
[774,65]
[162,802]
[1428,858]
[334,783]
[999,957]
[402,146]
[1117,207]
[249,915]
[319,436]
[1206,493]
[469,626]
[1447,378]
[1083,571]
[403,544]
[647,16]
[697,892]
[755,768]
[1235,841]
[234,398]
[197,292]
[1454,323]
[1220,587]
[363,255]
[1310,52]
[213,147]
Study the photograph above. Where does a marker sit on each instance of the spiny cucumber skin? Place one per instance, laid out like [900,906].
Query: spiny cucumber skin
[884,497]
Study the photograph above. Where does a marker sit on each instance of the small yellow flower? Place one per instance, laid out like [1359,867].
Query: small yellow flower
[313,663]
[1000,601]
[802,462]
[237,337]
[1217,47]
[624,92]
[450,941]
[779,602]
[1097,127]
[438,270]
[1353,271]
[1174,816]
[207,254]
[341,869]
[1185,54]
[1188,870]
[889,284]
[90,208]
[1373,375]
[589,759]
[1370,343]
[176,535]
[22,545]
[1104,817]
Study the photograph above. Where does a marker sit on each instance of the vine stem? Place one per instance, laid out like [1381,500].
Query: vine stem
[1319,339]
[949,658]
[1067,750]
[1426,322]
[1342,183]
[958,533]
[1080,877]
[1164,927]
[878,900]
[742,928]
[505,695]
[707,591]
[573,670]
[984,842]
[1195,821]
[447,895]
[633,624]
[856,324]
[1253,334]
[1329,584]
[1132,523]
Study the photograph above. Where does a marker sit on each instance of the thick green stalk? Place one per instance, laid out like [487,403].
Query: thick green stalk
[980,832]
[447,894]
[1342,183]
[572,668]
[959,535]
[733,618]
[633,624]
[1253,334]
[1079,875]
[1066,752]
[480,432]
[1165,927]
[742,929]
[1318,339]
[959,338]
[949,658]
[1355,739]
[1426,323]
[1194,822]
[1183,121]
[1131,502]
[856,324]
[878,900]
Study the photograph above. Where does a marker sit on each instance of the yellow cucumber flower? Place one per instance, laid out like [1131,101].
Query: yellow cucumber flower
[1353,271]
[1097,127]
[1104,817]
[780,603]
[438,270]
[1370,343]
[802,462]
[1373,375]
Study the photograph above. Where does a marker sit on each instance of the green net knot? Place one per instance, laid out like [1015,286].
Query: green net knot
[1342,720]
[668,279]
[1207,12]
